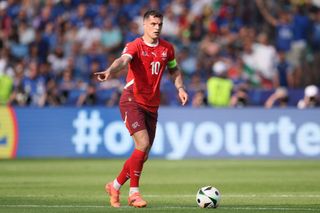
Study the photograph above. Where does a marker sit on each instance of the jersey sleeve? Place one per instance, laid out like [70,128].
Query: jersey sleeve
[130,50]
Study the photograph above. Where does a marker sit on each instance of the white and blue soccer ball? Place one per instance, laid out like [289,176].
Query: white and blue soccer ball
[208,197]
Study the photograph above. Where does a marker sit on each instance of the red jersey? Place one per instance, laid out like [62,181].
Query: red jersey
[146,68]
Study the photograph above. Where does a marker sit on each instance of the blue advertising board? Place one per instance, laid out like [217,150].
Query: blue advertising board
[181,133]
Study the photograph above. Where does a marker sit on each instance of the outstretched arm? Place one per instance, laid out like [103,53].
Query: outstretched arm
[176,76]
[116,66]
[263,10]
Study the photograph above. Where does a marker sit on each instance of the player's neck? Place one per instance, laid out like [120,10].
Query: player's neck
[149,41]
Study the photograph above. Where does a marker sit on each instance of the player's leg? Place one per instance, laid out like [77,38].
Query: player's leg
[114,194]
[151,125]
[142,145]
[113,187]
[143,142]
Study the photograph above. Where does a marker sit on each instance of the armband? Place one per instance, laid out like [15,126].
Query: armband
[172,64]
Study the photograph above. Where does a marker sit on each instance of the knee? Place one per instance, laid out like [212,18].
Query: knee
[141,140]
[143,146]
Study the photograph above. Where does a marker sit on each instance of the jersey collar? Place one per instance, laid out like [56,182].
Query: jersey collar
[149,44]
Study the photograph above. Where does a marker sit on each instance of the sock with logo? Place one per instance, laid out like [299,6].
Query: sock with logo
[136,165]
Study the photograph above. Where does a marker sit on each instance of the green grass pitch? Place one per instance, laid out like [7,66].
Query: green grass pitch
[77,185]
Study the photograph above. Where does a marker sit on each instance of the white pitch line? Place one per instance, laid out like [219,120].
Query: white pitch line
[244,196]
[48,206]
[273,208]
[193,195]
[164,207]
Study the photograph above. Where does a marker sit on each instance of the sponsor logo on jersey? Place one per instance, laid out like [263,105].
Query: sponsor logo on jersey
[144,53]
[8,133]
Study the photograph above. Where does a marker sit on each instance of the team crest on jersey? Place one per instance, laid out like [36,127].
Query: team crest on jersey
[164,55]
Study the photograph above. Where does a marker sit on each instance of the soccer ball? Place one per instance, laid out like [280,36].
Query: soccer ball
[208,197]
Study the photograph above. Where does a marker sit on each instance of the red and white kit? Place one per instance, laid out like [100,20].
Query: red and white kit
[140,99]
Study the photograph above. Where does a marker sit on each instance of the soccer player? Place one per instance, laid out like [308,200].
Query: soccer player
[147,57]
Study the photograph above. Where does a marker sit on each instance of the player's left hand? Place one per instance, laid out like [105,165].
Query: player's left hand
[183,95]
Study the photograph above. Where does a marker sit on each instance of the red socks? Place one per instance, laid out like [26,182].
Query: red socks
[125,173]
[132,168]
[136,164]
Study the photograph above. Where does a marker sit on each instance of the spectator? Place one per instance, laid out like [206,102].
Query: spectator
[199,99]
[284,75]
[20,97]
[88,97]
[58,61]
[78,15]
[311,98]
[6,21]
[219,87]
[292,30]
[111,36]
[315,47]
[6,85]
[66,85]
[211,30]
[240,98]
[17,50]
[170,25]
[88,34]
[102,16]
[42,47]
[187,61]
[283,25]
[32,88]
[26,33]
[132,33]
[265,61]
[248,64]
[53,97]
[279,98]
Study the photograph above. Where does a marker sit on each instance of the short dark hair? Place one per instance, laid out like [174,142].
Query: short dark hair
[154,13]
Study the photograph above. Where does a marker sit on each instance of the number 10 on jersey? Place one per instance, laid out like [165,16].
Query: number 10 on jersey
[155,67]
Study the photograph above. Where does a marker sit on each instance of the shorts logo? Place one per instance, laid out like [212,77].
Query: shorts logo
[135,125]
[8,133]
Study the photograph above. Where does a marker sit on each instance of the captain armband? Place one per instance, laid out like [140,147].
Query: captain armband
[172,64]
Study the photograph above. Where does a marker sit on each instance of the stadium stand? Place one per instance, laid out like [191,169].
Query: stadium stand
[264,45]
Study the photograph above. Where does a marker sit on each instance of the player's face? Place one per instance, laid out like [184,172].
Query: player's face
[152,27]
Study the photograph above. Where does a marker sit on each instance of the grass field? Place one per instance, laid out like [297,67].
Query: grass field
[168,186]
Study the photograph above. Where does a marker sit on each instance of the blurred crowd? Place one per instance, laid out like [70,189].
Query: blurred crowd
[233,53]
